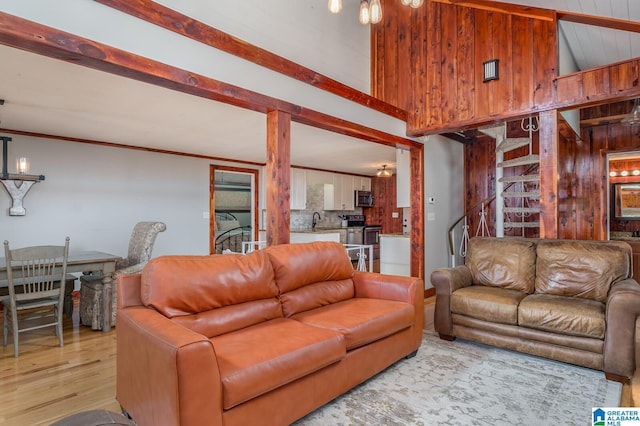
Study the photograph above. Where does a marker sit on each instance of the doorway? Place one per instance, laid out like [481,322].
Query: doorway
[624,194]
[233,208]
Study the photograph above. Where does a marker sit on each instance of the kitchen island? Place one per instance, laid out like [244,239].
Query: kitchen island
[395,254]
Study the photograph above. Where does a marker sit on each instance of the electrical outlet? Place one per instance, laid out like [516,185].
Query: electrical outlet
[431,216]
[205,215]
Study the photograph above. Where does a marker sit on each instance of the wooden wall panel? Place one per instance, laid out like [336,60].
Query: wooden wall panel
[384,193]
[598,85]
[464,71]
[433,73]
[523,63]
[449,44]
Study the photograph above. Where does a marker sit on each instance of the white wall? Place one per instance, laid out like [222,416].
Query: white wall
[96,194]
[443,177]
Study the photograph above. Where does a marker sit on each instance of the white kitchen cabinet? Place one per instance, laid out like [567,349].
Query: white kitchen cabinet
[298,192]
[316,177]
[339,194]
[403,182]
[298,195]
[395,255]
[348,192]
[362,183]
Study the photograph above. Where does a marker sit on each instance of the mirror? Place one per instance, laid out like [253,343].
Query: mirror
[626,200]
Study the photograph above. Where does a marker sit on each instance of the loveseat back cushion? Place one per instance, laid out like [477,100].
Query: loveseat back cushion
[502,262]
[580,268]
[217,292]
[310,275]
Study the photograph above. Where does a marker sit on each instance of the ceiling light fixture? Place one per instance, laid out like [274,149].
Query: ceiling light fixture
[371,10]
[384,172]
[634,116]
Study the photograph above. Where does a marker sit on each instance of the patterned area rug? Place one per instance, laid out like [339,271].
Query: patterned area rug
[466,383]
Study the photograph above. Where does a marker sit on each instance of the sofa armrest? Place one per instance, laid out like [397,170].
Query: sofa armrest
[397,288]
[623,308]
[164,369]
[446,281]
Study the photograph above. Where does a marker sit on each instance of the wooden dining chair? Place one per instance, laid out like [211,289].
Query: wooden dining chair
[36,285]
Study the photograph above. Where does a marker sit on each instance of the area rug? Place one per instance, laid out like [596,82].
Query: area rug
[466,383]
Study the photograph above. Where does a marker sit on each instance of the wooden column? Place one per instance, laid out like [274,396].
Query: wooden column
[278,178]
[549,174]
[417,211]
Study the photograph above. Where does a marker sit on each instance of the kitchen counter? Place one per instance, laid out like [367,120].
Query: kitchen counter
[316,231]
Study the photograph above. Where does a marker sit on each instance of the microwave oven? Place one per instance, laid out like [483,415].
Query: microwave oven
[364,199]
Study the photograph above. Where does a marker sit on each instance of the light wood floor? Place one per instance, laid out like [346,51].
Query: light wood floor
[47,382]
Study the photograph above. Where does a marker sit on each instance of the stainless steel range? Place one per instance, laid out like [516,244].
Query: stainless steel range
[359,233]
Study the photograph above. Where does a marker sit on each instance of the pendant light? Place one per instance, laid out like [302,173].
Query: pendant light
[371,10]
[364,17]
[335,6]
[633,117]
[375,10]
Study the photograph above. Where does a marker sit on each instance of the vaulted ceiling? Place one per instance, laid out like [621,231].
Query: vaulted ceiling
[76,102]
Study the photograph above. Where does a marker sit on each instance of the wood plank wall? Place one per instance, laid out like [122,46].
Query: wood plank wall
[444,68]
[582,182]
[384,193]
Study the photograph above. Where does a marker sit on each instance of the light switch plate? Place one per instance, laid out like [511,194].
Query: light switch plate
[395,215]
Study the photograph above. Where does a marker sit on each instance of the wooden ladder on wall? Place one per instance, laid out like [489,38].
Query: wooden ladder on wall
[517,193]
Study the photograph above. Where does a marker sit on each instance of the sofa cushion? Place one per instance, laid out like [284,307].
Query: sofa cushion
[583,269]
[502,262]
[310,275]
[316,295]
[361,320]
[186,285]
[492,304]
[563,314]
[258,359]
[297,265]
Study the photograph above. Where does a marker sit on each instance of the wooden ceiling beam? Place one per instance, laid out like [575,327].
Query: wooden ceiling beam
[547,14]
[179,23]
[36,38]
[600,21]
[496,6]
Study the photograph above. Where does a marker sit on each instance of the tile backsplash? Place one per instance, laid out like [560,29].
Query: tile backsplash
[301,219]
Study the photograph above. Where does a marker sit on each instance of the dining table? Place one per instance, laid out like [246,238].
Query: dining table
[85,261]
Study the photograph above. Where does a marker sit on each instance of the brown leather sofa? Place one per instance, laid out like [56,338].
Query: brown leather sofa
[569,300]
[258,339]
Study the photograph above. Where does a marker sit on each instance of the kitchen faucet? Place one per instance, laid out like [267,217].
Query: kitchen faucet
[313,220]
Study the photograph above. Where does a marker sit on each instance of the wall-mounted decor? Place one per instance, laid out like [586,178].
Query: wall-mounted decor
[626,200]
[17,184]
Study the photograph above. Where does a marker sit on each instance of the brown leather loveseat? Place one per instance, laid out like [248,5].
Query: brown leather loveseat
[258,339]
[569,300]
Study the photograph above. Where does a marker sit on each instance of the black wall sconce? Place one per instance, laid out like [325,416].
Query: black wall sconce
[490,70]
